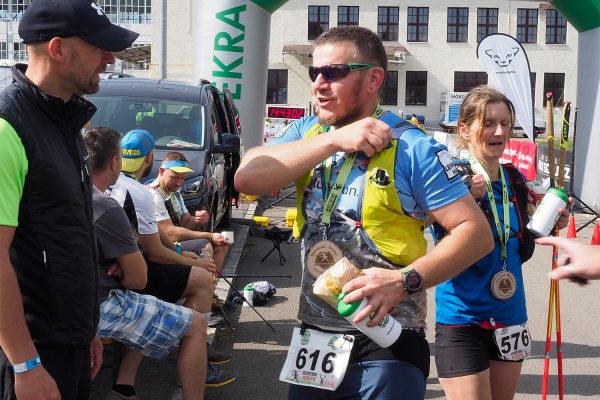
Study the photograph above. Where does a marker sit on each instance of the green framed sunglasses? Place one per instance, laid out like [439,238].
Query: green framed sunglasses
[335,72]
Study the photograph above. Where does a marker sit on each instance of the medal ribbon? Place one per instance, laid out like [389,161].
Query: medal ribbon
[478,168]
[332,198]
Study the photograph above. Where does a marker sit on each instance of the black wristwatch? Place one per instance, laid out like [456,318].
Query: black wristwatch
[413,281]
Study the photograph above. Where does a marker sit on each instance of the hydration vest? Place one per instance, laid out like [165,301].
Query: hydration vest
[390,233]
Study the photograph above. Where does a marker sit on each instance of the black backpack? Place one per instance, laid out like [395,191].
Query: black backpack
[519,199]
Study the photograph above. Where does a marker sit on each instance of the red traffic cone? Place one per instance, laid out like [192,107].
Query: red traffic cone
[596,235]
[571,231]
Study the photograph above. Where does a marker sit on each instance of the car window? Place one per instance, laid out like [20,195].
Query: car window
[217,128]
[174,124]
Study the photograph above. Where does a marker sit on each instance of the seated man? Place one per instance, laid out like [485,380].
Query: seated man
[143,323]
[173,217]
[173,274]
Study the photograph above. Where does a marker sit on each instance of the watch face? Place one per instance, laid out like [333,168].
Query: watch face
[412,281]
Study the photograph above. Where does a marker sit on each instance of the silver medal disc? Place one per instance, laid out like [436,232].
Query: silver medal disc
[321,256]
[504,285]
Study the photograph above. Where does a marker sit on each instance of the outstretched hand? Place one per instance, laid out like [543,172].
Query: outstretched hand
[384,289]
[578,262]
[368,135]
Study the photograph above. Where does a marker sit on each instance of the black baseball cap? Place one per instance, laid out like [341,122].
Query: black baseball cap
[46,19]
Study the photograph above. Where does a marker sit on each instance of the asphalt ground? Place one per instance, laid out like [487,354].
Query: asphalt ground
[258,352]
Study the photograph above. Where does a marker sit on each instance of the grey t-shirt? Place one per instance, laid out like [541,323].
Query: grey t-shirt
[114,237]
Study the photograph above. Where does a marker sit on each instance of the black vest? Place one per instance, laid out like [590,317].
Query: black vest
[54,250]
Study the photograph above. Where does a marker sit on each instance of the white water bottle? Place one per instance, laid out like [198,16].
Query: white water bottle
[547,214]
[249,295]
[384,334]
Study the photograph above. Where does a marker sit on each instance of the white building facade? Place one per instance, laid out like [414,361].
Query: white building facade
[431,46]
[131,14]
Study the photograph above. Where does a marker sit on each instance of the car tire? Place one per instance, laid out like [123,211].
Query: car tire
[226,218]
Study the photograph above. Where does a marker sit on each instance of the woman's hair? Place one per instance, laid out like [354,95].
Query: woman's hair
[473,108]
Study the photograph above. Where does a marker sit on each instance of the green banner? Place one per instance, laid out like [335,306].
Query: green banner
[582,14]
[269,5]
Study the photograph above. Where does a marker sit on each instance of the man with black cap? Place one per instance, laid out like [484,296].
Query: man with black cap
[48,256]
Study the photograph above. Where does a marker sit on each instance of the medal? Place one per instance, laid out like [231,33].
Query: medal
[321,256]
[504,285]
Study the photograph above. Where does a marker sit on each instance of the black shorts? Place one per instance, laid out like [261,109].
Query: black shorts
[166,281]
[69,366]
[464,350]
[195,245]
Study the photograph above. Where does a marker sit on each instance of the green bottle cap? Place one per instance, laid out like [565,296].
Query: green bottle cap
[560,193]
[346,310]
[248,287]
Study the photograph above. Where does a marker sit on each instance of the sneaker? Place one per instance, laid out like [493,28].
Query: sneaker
[219,377]
[215,321]
[216,357]
[112,395]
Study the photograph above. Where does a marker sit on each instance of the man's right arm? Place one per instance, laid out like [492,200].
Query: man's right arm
[268,168]
[15,339]
[156,252]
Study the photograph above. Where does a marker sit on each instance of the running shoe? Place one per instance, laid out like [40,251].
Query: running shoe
[216,377]
[216,357]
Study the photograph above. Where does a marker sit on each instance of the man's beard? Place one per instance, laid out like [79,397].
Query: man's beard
[351,115]
[83,84]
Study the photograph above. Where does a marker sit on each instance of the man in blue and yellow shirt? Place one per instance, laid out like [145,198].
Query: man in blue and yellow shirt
[366,182]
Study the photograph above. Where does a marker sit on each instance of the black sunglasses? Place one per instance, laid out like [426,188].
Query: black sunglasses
[335,72]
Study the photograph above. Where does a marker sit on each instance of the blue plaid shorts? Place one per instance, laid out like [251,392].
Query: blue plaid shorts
[144,323]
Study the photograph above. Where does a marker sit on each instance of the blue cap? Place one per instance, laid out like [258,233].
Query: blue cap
[136,145]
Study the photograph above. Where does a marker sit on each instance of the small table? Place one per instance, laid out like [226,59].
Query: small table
[277,236]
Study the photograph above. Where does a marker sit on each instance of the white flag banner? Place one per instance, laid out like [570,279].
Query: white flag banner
[508,70]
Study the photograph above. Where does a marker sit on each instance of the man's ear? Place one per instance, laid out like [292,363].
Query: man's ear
[376,77]
[114,163]
[56,47]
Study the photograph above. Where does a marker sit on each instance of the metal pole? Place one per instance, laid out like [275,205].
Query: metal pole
[244,299]
[162,34]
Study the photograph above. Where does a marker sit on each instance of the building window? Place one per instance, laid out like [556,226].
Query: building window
[458,24]
[465,81]
[556,28]
[12,10]
[416,88]
[3,50]
[527,25]
[387,23]
[555,83]
[127,11]
[20,52]
[277,85]
[389,92]
[487,22]
[347,16]
[418,24]
[318,21]
[141,66]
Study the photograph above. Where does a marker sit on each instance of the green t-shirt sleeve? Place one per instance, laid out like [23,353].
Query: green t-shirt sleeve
[13,169]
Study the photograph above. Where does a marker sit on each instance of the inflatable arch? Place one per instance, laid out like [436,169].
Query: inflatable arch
[584,15]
